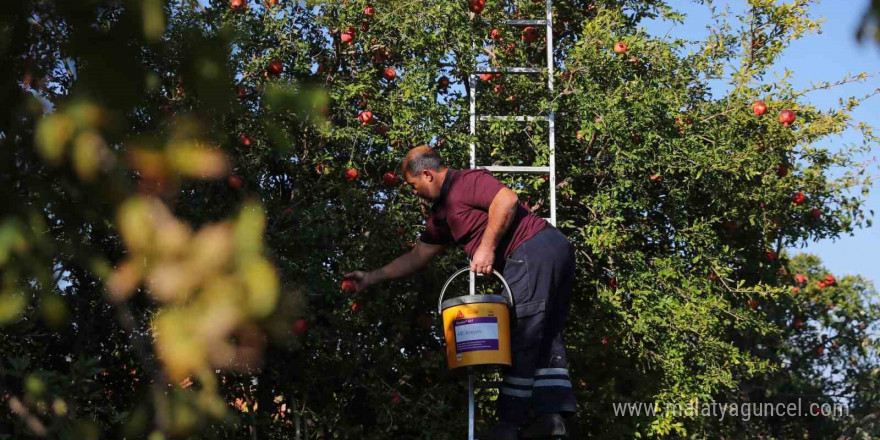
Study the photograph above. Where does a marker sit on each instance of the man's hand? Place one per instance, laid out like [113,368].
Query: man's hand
[362,280]
[482,262]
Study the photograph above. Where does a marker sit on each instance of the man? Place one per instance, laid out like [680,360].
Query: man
[473,209]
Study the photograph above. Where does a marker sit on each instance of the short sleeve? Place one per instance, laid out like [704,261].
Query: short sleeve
[480,188]
[436,234]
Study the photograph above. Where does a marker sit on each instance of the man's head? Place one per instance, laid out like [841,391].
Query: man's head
[424,172]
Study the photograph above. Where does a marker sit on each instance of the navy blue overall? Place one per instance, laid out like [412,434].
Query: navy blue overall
[540,273]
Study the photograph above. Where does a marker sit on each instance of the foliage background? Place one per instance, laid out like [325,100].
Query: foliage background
[177,202]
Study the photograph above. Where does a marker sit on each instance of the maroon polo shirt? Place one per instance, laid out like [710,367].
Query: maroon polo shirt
[460,214]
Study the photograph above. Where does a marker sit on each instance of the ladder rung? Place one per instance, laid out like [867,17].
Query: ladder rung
[509,70]
[526,22]
[514,118]
[514,169]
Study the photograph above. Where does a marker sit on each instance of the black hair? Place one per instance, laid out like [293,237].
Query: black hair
[425,160]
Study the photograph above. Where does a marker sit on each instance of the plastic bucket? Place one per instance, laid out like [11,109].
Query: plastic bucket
[477,327]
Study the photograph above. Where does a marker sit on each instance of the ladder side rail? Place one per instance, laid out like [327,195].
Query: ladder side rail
[551,117]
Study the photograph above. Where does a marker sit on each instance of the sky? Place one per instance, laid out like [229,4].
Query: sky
[827,56]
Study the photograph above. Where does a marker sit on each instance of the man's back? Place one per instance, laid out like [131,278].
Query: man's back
[461,214]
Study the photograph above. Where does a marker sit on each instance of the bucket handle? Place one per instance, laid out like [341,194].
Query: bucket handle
[467,269]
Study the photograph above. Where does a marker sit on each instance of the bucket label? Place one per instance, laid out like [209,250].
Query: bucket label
[474,334]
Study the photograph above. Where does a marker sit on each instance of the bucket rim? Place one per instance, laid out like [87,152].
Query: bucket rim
[472,299]
[473,274]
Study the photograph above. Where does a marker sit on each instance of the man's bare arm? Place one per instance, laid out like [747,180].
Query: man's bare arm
[403,265]
[501,214]
[414,260]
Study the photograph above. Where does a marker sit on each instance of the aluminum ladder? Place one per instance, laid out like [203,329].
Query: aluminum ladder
[550,118]
[547,22]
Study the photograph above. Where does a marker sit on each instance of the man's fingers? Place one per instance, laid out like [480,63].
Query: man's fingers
[482,270]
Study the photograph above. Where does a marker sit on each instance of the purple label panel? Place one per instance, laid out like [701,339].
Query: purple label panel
[474,334]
